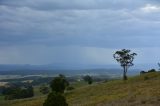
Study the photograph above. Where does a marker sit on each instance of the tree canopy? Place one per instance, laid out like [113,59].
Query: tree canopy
[56,97]
[125,58]
[59,84]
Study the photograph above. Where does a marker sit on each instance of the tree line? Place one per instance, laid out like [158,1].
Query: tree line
[16,92]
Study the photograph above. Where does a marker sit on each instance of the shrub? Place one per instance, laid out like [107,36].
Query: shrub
[152,70]
[142,72]
[70,88]
[55,99]
[146,78]
[59,84]
[18,93]
[44,89]
[88,79]
[143,102]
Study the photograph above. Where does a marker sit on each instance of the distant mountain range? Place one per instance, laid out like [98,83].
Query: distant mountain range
[55,69]
[13,67]
[26,69]
[61,66]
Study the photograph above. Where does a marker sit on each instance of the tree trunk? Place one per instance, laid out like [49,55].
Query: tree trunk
[124,73]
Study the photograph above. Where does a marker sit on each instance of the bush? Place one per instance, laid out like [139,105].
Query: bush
[18,93]
[149,71]
[44,89]
[142,72]
[55,99]
[88,79]
[143,102]
[59,84]
[152,70]
[146,78]
[70,88]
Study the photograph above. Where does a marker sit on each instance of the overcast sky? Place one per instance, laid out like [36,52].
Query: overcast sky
[78,31]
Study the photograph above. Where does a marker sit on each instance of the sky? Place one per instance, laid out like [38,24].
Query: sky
[78,31]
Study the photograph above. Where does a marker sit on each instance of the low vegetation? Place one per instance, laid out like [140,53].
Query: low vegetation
[15,92]
[142,90]
[56,97]
[88,79]
[44,89]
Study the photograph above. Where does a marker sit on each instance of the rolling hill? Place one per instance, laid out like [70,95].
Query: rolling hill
[142,90]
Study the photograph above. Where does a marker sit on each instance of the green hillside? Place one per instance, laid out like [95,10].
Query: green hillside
[143,90]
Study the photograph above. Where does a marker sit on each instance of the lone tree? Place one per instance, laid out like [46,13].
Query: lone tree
[59,84]
[125,58]
[56,97]
[88,79]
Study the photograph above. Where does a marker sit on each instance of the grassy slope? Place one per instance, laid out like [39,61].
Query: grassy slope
[137,91]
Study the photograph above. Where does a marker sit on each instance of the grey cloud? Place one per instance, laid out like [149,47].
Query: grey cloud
[74,4]
[23,23]
[75,31]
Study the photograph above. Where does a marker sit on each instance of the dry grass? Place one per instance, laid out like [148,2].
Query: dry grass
[37,101]
[136,91]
